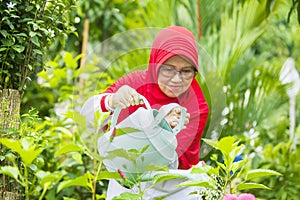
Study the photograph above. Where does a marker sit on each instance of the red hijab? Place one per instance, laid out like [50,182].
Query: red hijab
[171,41]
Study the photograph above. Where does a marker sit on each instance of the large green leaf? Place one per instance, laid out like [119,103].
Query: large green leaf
[67,148]
[256,173]
[82,181]
[165,176]
[245,186]
[108,175]
[225,145]
[47,177]
[25,148]
[10,171]
[128,196]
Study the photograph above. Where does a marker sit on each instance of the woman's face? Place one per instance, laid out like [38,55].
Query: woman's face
[175,76]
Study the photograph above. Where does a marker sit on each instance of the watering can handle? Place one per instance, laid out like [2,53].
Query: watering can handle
[164,110]
[117,111]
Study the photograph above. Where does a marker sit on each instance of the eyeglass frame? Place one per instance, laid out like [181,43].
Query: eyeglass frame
[178,71]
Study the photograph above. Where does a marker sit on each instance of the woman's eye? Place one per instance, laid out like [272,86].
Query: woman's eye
[169,69]
[186,71]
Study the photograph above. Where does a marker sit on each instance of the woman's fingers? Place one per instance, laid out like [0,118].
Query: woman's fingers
[174,116]
[187,118]
[125,97]
[134,98]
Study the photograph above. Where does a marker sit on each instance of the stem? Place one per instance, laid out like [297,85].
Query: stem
[229,182]
[26,182]
[44,191]
[96,177]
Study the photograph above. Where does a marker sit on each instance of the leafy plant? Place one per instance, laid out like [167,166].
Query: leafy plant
[28,152]
[26,29]
[285,160]
[49,173]
[236,175]
[228,176]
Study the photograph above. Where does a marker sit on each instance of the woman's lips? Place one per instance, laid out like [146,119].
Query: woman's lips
[174,88]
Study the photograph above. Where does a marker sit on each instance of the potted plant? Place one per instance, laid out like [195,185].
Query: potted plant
[27,29]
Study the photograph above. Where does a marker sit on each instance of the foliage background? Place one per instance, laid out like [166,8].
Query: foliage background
[247,43]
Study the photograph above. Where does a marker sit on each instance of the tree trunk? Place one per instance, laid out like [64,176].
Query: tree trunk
[9,120]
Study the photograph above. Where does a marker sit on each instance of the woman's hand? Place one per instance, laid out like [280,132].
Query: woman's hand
[124,97]
[174,116]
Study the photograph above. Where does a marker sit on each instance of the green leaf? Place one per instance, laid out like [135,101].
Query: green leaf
[77,156]
[78,118]
[206,184]
[22,34]
[67,198]
[10,171]
[8,43]
[108,175]
[102,196]
[82,181]
[245,186]
[164,177]
[70,62]
[203,169]
[122,131]
[238,165]
[67,148]
[122,153]
[127,196]
[47,177]
[4,33]
[65,131]
[144,148]
[11,144]
[2,158]
[225,145]
[27,151]
[30,155]
[37,51]
[35,41]
[256,173]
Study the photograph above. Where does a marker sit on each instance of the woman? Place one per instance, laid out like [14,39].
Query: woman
[170,78]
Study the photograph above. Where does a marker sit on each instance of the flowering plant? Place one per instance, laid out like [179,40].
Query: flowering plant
[26,29]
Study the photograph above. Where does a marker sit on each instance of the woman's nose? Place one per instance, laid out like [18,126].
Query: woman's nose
[177,77]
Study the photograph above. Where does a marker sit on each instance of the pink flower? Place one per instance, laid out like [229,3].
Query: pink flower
[122,174]
[230,197]
[246,196]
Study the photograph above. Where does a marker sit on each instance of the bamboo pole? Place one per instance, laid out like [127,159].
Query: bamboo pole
[84,48]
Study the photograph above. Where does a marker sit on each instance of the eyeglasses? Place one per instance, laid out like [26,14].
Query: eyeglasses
[169,72]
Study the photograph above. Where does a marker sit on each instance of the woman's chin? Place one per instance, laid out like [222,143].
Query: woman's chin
[172,94]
